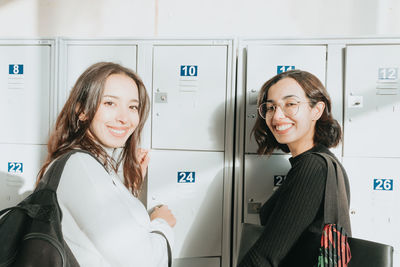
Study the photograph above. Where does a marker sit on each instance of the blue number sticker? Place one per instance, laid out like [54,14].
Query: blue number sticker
[186,177]
[15,69]
[15,167]
[189,70]
[279,179]
[283,68]
[383,184]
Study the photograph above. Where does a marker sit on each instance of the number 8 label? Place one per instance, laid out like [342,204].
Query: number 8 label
[15,69]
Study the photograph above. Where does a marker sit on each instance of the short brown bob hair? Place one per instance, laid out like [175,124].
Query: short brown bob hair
[327,129]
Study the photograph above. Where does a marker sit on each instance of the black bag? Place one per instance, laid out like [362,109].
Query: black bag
[363,252]
[30,233]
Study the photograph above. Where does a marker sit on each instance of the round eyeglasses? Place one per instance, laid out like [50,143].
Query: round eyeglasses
[289,108]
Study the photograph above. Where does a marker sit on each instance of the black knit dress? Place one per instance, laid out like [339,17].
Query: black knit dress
[294,211]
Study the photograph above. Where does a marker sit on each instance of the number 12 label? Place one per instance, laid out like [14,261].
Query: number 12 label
[383,184]
[186,177]
[15,167]
[388,74]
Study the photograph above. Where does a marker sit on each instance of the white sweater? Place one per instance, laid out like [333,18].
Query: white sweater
[103,223]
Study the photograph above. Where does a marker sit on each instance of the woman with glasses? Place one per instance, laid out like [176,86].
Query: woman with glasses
[294,116]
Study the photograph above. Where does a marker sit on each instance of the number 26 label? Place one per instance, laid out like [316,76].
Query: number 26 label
[383,184]
[186,177]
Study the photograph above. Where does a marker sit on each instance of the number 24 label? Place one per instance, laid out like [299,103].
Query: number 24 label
[186,177]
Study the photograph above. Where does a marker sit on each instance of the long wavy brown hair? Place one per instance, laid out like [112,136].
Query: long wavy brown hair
[72,133]
[327,130]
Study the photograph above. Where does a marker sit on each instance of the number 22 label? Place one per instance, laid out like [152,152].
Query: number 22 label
[15,167]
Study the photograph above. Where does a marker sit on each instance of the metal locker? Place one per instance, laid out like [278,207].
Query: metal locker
[19,166]
[265,61]
[25,78]
[191,184]
[82,56]
[374,198]
[189,92]
[263,175]
[77,55]
[372,101]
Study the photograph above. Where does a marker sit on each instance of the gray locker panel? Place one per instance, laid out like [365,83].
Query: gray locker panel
[264,61]
[197,262]
[374,199]
[260,173]
[372,101]
[19,166]
[80,57]
[25,77]
[197,205]
[189,111]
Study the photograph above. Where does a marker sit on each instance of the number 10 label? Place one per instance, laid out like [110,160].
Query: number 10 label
[189,70]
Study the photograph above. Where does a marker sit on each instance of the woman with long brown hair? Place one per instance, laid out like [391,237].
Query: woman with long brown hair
[104,223]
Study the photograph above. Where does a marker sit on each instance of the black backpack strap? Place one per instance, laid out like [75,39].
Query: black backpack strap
[35,211]
[336,208]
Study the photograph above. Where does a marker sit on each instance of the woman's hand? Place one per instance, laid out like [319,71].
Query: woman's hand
[164,213]
[143,159]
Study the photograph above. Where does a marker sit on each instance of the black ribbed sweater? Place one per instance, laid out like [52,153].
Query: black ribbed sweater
[295,207]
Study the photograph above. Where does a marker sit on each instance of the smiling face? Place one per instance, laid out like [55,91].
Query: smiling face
[297,131]
[117,115]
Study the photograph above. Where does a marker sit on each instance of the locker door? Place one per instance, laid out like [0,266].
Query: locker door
[80,56]
[25,77]
[189,91]
[19,165]
[191,184]
[374,198]
[263,175]
[264,62]
[372,101]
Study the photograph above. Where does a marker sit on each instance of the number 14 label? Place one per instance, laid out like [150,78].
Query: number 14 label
[281,69]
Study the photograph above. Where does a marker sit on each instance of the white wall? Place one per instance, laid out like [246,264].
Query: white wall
[184,18]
